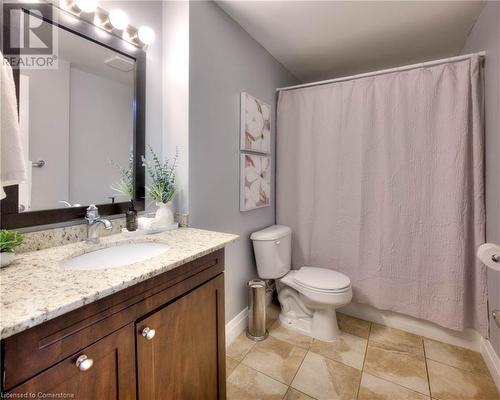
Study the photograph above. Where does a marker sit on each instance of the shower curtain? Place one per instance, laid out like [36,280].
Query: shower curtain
[382,178]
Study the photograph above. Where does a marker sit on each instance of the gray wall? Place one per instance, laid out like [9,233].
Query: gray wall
[148,13]
[85,109]
[48,124]
[176,95]
[100,133]
[224,61]
[486,36]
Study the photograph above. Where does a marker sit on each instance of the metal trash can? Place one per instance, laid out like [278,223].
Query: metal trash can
[257,310]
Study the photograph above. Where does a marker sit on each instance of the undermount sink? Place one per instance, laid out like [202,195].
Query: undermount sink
[115,256]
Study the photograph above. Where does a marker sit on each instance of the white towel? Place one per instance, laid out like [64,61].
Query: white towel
[13,166]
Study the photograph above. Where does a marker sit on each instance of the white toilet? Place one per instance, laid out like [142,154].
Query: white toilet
[308,296]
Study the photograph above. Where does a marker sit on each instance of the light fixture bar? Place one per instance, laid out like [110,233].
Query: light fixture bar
[114,21]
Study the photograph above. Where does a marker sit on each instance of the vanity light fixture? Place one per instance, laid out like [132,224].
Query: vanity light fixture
[68,5]
[87,6]
[146,35]
[130,35]
[118,19]
[101,19]
[115,21]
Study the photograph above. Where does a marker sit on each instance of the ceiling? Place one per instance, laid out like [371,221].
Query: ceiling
[325,39]
[91,57]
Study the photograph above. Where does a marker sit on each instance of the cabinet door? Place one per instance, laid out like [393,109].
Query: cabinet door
[107,372]
[185,358]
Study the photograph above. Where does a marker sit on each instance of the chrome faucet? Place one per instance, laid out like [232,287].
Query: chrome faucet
[93,219]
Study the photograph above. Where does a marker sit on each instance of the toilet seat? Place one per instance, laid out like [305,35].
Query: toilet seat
[321,280]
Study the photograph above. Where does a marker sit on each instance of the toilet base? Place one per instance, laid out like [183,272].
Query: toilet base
[298,325]
[324,324]
[324,329]
[306,317]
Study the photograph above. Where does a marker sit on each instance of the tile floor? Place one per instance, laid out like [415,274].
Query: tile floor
[368,362]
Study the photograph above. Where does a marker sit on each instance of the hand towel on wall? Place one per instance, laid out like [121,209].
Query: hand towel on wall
[13,166]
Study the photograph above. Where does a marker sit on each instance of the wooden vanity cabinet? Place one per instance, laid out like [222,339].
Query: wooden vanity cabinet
[160,339]
[181,361]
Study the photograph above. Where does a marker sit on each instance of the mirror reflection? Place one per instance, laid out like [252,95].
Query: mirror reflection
[77,124]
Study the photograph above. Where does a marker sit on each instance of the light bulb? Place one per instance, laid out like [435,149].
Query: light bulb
[118,19]
[87,6]
[146,35]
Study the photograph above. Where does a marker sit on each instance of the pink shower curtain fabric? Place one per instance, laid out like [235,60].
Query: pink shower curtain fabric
[382,178]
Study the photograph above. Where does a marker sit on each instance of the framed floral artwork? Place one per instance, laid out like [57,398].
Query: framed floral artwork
[255,125]
[255,183]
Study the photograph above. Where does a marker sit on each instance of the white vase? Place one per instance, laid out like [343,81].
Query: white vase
[164,214]
[6,258]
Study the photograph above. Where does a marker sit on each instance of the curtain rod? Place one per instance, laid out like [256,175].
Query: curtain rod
[385,71]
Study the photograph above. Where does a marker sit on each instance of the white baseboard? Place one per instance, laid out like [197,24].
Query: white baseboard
[236,326]
[492,361]
[469,339]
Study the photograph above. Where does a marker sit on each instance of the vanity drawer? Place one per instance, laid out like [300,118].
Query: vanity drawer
[104,371]
[34,350]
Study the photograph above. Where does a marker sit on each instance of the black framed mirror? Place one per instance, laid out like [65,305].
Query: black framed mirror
[82,121]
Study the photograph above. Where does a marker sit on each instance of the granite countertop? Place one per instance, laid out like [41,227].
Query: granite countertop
[35,288]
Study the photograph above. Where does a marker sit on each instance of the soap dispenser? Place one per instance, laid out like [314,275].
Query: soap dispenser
[131,217]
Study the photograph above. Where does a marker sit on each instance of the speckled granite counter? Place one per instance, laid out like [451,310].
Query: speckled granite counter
[35,288]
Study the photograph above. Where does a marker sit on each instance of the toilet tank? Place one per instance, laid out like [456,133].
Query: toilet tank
[273,251]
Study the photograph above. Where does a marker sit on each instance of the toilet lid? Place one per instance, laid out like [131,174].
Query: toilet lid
[321,278]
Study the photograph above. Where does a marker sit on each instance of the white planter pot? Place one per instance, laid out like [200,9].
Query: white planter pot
[165,214]
[6,258]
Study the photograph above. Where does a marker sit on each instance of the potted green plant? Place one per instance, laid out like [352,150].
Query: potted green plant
[9,240]
[125,186]
[162,187]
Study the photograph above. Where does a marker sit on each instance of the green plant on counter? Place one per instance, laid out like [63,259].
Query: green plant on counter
[162,174]
[125,185]
[10,240]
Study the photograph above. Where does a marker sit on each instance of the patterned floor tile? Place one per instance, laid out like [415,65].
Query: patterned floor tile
[354,326]
[398,339]
[278,359]
[240,347]
[448,383]
[325,379]
[393,363]
[373,388]
[401,367]
[347,349]
[287,335]
[454,356]
[231,364]
[246,383]
[293,394]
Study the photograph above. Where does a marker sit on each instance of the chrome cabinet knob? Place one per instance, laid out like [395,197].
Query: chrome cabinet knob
[84,363]
[148,333]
